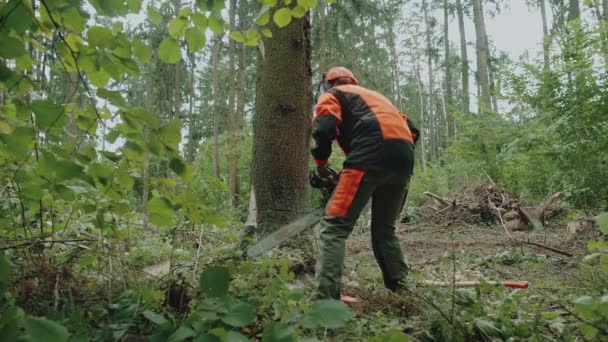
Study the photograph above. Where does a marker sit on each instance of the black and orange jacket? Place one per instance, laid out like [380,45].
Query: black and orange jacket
[371,131]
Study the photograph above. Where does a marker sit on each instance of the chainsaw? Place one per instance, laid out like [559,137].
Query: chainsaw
[326,185]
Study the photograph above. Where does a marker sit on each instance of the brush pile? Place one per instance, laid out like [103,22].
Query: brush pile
[487,204]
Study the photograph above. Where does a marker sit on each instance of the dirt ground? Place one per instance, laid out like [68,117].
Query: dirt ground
[481,252]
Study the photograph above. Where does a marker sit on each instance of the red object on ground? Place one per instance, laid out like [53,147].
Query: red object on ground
[348,299]
[516,284]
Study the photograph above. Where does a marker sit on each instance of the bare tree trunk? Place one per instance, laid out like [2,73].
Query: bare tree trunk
[240,99]
[282,126]
[429,48]
[446,137]
[491,75]
[464,56]
[546,41]
[422,124]
[483,76]
[323,34]
[216,101]
[232,122]
[395,59]
[574,10]
[448,74]
[191,143]
[146,166]
[71,129]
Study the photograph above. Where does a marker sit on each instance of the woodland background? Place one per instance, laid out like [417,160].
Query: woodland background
[132,133]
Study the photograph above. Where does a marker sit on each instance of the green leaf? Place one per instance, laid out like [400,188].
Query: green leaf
[99,78]
[11,47]
[180,167]
[216,24]
[185,12]
[134,5]
[20,19]
[196,39]
[141,51]
[102,173]
[328,313]
[155,17]
[154,317]
[169,51]
[282,17]
[5,274]
[239,315]
[391,336]
[199,20]
[47,114]
[182,333]
[278,332]
[234,336]
[602,222]
[170,134]
[67,169]
[298,12]
[269,3]
[99,36]
[44,330]
[214,281]
[237,36]
[263,17]
[177,27]
[73,20]
[210,5]
[161,211]
[19,142]
[113,96]
[266,32]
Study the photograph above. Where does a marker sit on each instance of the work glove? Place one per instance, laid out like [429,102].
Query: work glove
[323,177]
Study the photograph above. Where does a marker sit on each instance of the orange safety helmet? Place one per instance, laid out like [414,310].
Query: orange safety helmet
[340,72]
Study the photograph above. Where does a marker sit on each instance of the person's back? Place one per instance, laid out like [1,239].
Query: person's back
[372,132]
[378,142]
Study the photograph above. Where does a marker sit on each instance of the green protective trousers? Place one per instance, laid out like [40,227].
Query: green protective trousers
[355,188]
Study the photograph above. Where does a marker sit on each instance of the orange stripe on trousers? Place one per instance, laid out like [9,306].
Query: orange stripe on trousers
[345,192]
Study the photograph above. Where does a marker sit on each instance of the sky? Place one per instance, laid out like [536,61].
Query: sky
[515,30]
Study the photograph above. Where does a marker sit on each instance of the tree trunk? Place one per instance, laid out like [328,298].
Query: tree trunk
[323,34]
[448,74]
[71,129]
[216,101]
[282,127]
[574,11]
[421,124]
[464,56]
[492,75]
[429,48]
[232,121]
[146,166]
[546,41]
[191,143]
[395,59]
[240,99]
[483,76]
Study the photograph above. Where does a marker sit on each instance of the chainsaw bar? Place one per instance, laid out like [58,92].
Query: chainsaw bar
[285,233]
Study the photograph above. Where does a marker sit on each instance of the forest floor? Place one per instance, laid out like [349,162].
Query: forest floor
[481,252]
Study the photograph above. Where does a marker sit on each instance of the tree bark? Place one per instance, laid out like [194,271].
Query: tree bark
[282,127]
[323,34]
[232,121]
[146,166]
[421,124]
[431,111]
[240,99]
[485,102]
[574,10]
[395,59]
[216,101]
[464,56]
[448,74]
[492,78]
[191,143]
[546,41]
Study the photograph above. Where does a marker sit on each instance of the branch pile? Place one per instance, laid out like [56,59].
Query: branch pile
[486,204]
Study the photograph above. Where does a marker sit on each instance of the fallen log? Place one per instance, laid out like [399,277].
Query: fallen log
[439,199]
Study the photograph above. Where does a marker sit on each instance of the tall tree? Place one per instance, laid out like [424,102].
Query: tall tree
[240,99]
[431,106]
[281,126]
[483,76]
[546,41]
[448,72]
[232,120]
[216,101]
[464,58]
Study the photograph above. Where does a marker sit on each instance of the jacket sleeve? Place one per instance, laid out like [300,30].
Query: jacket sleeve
[328,116]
